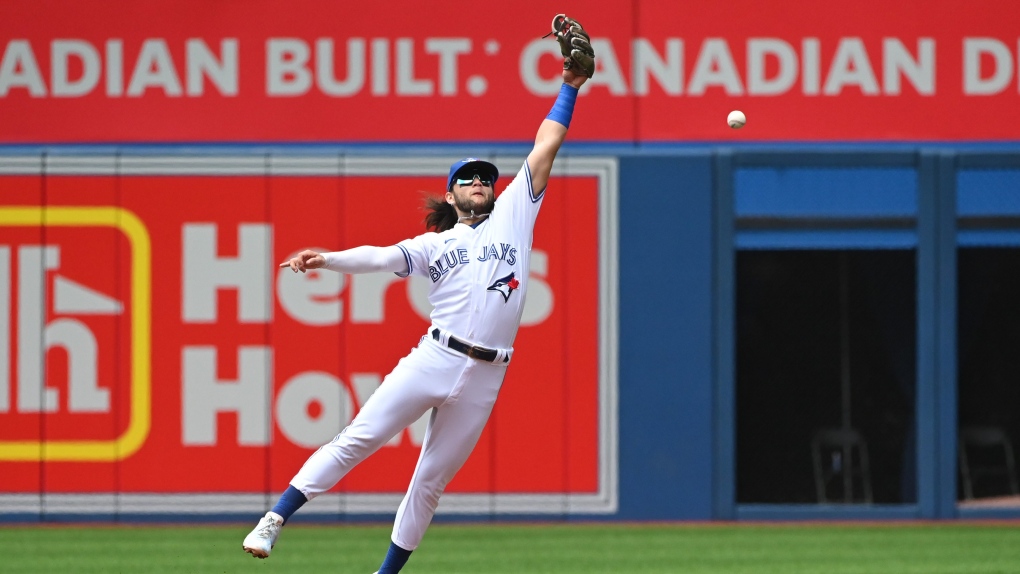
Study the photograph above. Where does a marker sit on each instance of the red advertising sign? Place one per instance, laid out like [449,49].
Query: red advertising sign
[317,71]
[153,347]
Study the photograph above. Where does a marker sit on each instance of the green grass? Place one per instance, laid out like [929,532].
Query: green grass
[515,549]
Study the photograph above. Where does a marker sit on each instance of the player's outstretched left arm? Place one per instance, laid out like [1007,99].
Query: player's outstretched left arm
[364,259]
[578,66]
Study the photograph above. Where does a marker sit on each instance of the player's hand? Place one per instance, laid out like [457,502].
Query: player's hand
[576,80]
[304,261]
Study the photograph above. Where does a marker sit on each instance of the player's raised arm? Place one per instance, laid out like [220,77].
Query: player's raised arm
[578,66]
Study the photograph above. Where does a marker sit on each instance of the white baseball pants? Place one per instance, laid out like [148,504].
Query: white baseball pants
[462,392]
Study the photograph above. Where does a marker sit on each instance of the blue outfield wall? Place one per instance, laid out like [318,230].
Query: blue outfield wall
[679,210]
[665,345]
[684,215]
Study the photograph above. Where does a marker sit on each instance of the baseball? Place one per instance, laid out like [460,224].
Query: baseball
[736,119]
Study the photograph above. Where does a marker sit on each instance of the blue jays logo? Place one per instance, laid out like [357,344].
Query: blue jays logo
[505,286]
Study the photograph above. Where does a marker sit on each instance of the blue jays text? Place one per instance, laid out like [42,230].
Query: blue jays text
[440,267]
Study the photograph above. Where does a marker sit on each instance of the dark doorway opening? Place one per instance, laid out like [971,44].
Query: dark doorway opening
[825,339]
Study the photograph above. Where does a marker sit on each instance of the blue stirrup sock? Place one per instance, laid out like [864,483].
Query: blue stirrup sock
[396,557]
[289,502]
[563,108]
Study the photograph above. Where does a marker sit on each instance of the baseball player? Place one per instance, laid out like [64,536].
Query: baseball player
[477,262]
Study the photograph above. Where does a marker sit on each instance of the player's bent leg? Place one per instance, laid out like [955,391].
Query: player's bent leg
[402,398]
[452,434]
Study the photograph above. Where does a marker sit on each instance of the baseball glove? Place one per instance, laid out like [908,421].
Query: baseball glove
[575,45]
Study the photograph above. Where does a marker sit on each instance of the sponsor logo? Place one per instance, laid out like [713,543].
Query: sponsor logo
[44,322]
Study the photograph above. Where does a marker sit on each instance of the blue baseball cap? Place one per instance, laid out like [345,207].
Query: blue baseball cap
[470,165]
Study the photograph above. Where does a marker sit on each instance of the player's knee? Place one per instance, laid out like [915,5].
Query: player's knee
[430,488]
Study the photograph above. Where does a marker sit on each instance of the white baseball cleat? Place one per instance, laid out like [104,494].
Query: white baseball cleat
[259,543]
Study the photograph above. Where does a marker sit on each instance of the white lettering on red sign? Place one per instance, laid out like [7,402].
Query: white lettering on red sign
[154,69]
[296,67]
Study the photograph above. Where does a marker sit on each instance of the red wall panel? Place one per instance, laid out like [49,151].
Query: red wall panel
[314,71]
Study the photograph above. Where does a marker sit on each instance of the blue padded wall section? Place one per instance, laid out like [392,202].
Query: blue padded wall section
[666,372]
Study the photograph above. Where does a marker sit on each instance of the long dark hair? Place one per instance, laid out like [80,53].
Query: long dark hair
[440,215]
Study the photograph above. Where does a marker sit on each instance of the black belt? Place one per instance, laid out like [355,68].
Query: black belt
[480,353]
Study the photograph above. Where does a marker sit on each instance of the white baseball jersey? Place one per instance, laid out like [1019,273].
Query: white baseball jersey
[479,278]
[479,274]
